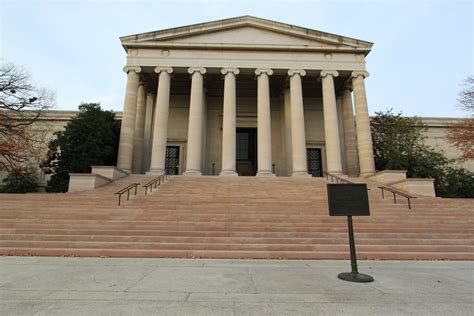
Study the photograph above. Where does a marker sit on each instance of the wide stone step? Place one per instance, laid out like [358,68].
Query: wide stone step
[226,254]
[386,240]
[341,234]
[231,218]
[231,246]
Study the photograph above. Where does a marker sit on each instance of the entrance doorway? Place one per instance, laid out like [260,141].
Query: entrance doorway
[315,165]
[246,151]
[172,160]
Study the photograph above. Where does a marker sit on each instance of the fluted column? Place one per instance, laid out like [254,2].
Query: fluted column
[229,123]
[264,129]
[331,126]
[147,132]
[298,138]
[125,152]
[137,161]
[196,121]
[364,138]
[350,139]
[160,129]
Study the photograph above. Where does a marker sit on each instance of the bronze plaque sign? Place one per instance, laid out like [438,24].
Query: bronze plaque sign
[348,200]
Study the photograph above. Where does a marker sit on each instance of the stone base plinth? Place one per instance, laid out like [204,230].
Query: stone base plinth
[86,181]
[110,172]
[416,186]
[228,173]
[265,174]
[192,173]
[388,176]
[155,172]
[301,174]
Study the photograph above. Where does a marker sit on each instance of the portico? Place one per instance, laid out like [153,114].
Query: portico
[190,89]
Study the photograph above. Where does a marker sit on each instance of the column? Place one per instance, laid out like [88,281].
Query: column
[229,123]
[147,132]
[350,140]
[264,130]
[137,161]
[298,138]
[125,152]
[364,138]
[196,123]
[331,126]
[160,129]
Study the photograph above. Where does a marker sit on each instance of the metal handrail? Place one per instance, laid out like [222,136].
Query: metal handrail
[395,193]
[127,189]
[338,179]
[152,183]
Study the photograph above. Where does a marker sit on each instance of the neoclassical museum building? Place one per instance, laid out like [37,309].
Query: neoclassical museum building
[245,96]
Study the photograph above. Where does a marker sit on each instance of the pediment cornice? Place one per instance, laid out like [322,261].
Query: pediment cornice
[305,39]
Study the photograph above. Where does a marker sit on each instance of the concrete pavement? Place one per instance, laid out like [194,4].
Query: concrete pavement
[95,286]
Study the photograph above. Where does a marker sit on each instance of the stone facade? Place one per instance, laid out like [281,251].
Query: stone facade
[248,96]
[435,132]
[245,96]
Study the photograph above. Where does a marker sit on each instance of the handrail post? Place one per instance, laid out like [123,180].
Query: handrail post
[120,198]
[213,165]
[409,205]
[394,198]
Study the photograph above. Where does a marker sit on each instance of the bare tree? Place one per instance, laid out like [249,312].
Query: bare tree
[461,135]
[21,104]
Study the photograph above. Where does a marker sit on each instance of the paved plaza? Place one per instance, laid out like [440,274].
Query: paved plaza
[103,286]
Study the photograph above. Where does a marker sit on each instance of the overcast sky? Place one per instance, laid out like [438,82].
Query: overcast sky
[422,49]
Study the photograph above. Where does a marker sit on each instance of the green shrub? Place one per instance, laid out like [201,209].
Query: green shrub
[20,181]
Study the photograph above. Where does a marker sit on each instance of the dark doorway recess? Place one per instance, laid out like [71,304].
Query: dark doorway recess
[246,151]
[172,160]
[315,165]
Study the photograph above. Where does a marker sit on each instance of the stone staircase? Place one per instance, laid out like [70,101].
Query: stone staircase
[244,217]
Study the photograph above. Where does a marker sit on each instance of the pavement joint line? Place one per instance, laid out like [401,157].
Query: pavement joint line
[141,279]
[186,298]
[45,307]
[254,284]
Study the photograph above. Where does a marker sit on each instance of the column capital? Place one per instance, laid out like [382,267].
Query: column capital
[325,73]
[164,69]
[225,71]
[356,74]
[192,70]
[292,72]
[260,71]
[137,69]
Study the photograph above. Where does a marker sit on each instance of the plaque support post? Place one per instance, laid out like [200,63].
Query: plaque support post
[354,275]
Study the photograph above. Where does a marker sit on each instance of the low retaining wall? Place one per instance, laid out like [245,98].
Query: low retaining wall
[418,186]
[389,176]
[86,181]
[110,172]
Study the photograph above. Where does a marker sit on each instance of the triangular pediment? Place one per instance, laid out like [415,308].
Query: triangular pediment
[249,35]
[246,32]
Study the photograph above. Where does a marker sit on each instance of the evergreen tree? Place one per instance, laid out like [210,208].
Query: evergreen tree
[91,138]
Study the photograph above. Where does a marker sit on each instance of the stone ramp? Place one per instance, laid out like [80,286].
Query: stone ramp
[213,217]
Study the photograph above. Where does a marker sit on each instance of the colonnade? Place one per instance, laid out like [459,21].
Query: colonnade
[136,136]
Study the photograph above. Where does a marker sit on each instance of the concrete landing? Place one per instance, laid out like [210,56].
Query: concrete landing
[115,286]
